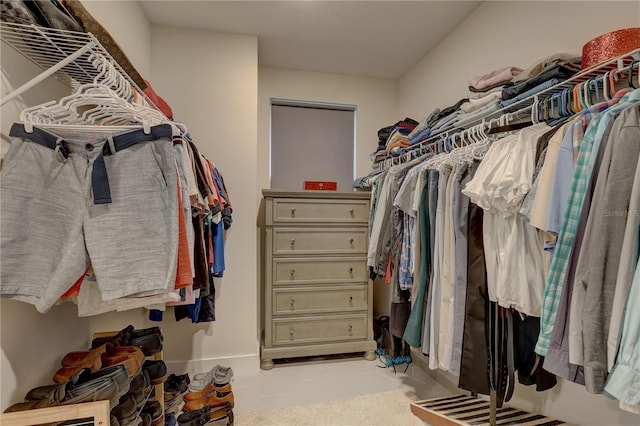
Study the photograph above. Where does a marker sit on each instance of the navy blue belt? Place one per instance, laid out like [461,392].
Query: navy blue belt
[99,178]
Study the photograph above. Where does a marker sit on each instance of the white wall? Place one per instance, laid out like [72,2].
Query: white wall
[375,101]
[129,27]
[211,82]
[499,34]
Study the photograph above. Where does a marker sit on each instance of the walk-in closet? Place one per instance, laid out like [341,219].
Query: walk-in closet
[319,212]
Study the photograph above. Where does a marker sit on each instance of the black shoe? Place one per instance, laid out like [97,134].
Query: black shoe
[136,390]
[150,344]
[176,385]
[146,331]
[157,371]
[154,409]
[146,419]
[195,418]
[126,411]
[120,339]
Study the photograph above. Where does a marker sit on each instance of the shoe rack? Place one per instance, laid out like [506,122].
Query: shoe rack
[98,412]
[159,388]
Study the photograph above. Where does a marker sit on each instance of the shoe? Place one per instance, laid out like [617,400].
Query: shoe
[207,390]
[146,419]
[218,374]
[195,418]
[107,383]
[170,419]
[154,409]
[115,351]
[146,331]
[50,391]
[136,390]
[117,373]
[221,417]
[119,339]
[82,358]
[175,385]
[130,361]
[114,421]
[173,405]
[90,359]
[157,371]
[213,400]
[126,411]
[29,405]
[85,387]
[150,344]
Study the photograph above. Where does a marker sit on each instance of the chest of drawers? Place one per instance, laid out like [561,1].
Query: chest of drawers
[317,298]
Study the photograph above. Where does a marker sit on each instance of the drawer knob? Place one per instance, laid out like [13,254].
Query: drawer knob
[351,212]
[350,329]
[291,333]
[350,271]
[350,299]
[293,241]
[351,241]
[293,211]
[293,272]
[292,301]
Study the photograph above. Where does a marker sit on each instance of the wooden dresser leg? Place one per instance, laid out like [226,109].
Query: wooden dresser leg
[370,355]
[266,364]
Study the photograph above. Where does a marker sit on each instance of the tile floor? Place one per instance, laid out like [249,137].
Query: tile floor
[318,379]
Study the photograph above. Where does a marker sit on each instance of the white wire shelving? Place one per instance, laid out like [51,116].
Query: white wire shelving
[522,109]
[66,55]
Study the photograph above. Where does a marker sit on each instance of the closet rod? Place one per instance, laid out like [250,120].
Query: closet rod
[523,107]
[48,73]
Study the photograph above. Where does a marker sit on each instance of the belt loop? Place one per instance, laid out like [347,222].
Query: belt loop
[60,152]
[112,145]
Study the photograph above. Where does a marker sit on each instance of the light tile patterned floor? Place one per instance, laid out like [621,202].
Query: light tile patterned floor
[311,380]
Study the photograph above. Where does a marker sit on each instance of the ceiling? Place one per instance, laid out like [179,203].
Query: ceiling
[367,38]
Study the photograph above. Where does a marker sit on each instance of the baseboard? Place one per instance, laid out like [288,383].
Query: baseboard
[241,365]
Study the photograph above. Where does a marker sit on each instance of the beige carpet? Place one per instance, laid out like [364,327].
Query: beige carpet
[378,409]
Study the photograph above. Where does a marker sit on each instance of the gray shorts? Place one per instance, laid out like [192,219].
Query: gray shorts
[69,203]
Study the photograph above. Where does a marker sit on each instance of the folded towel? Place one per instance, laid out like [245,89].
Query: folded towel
[497,77]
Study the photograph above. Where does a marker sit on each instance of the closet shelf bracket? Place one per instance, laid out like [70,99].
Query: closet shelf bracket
[47,73]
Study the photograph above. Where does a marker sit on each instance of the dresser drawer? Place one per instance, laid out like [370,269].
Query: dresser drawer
[319,329]
[289,241]
[316,300]
[320,270]
[292,210]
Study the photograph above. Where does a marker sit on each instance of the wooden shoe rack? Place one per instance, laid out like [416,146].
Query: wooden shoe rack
[159,389]
[467,410]
[96,412]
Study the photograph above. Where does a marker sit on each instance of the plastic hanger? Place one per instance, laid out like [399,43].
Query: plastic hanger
[613,79]
[630,78]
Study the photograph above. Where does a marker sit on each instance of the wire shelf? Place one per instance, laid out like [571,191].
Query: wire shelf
[520,109]
[67,55]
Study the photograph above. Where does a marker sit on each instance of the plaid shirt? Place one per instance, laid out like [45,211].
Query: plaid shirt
[587,120]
